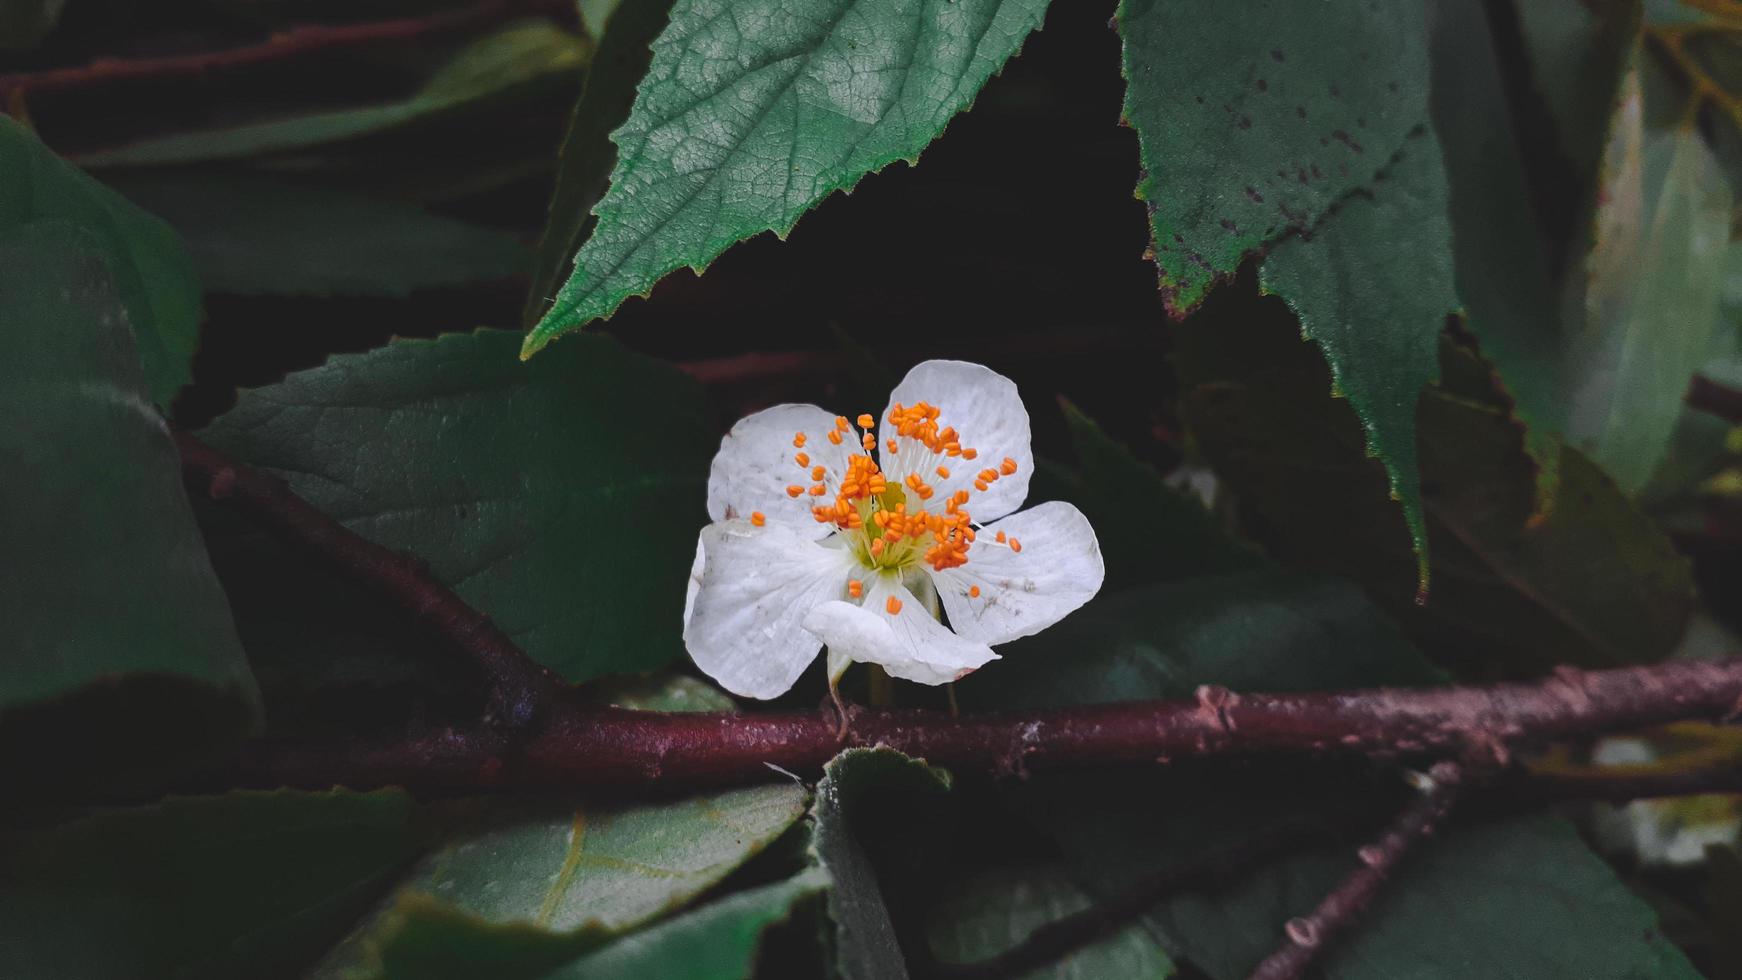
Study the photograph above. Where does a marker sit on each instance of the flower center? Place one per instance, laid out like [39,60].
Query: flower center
[888,513]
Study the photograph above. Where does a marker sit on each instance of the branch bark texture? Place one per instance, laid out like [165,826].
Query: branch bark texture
[613,747]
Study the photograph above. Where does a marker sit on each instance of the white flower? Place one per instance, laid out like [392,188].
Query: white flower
[831,532]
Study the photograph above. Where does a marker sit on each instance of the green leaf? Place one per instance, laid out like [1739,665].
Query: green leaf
[562,498]
[1254,120]
[517,59]
[1523,579]
[1652,303]
[119,646]
[153,277]
[1256,125]
[257,236]
[587,154]
[518,890]
[660,692]
[751,114]
[1164,533]
[718,941]
[1373,286]
[860,790]
[985,915]
[218,887]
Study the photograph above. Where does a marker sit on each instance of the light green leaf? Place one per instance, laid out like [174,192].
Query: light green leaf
[861,787]
[516,891]
[718,941]
[753,112]
[1652,303]
[191,887]
[153,277]
[1373,286]
[987,914]
[1255,119]
[516,58]
[257,236]
[562,497]
[119,645]
[587,154]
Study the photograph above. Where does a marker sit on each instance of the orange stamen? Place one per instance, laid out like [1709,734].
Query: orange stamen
[817,472]
[819,490]
[943,472]
[841,422]
[802,459]
[973,592]
[893,605]
[757,518]
[999,537]
[970,453]
[866,421]
[855,588]
[798,440]
[794,490]
[1015,545]
[835,436]
[1007,467]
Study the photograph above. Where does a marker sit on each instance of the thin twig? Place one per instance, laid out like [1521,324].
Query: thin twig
[1307,936]
[604,747]
[521,686]
[295,42]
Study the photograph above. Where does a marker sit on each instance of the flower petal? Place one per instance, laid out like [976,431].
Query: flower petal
[909,643]
[986,411]
[1021,593]
[757,462]
[743,626]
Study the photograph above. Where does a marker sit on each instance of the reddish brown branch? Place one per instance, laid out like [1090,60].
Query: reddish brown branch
[295,42]
[521,686]
[1307,936]
[590,747]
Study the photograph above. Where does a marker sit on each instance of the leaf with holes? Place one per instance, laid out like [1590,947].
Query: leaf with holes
[1255,119]
[753,112]
[562,497]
